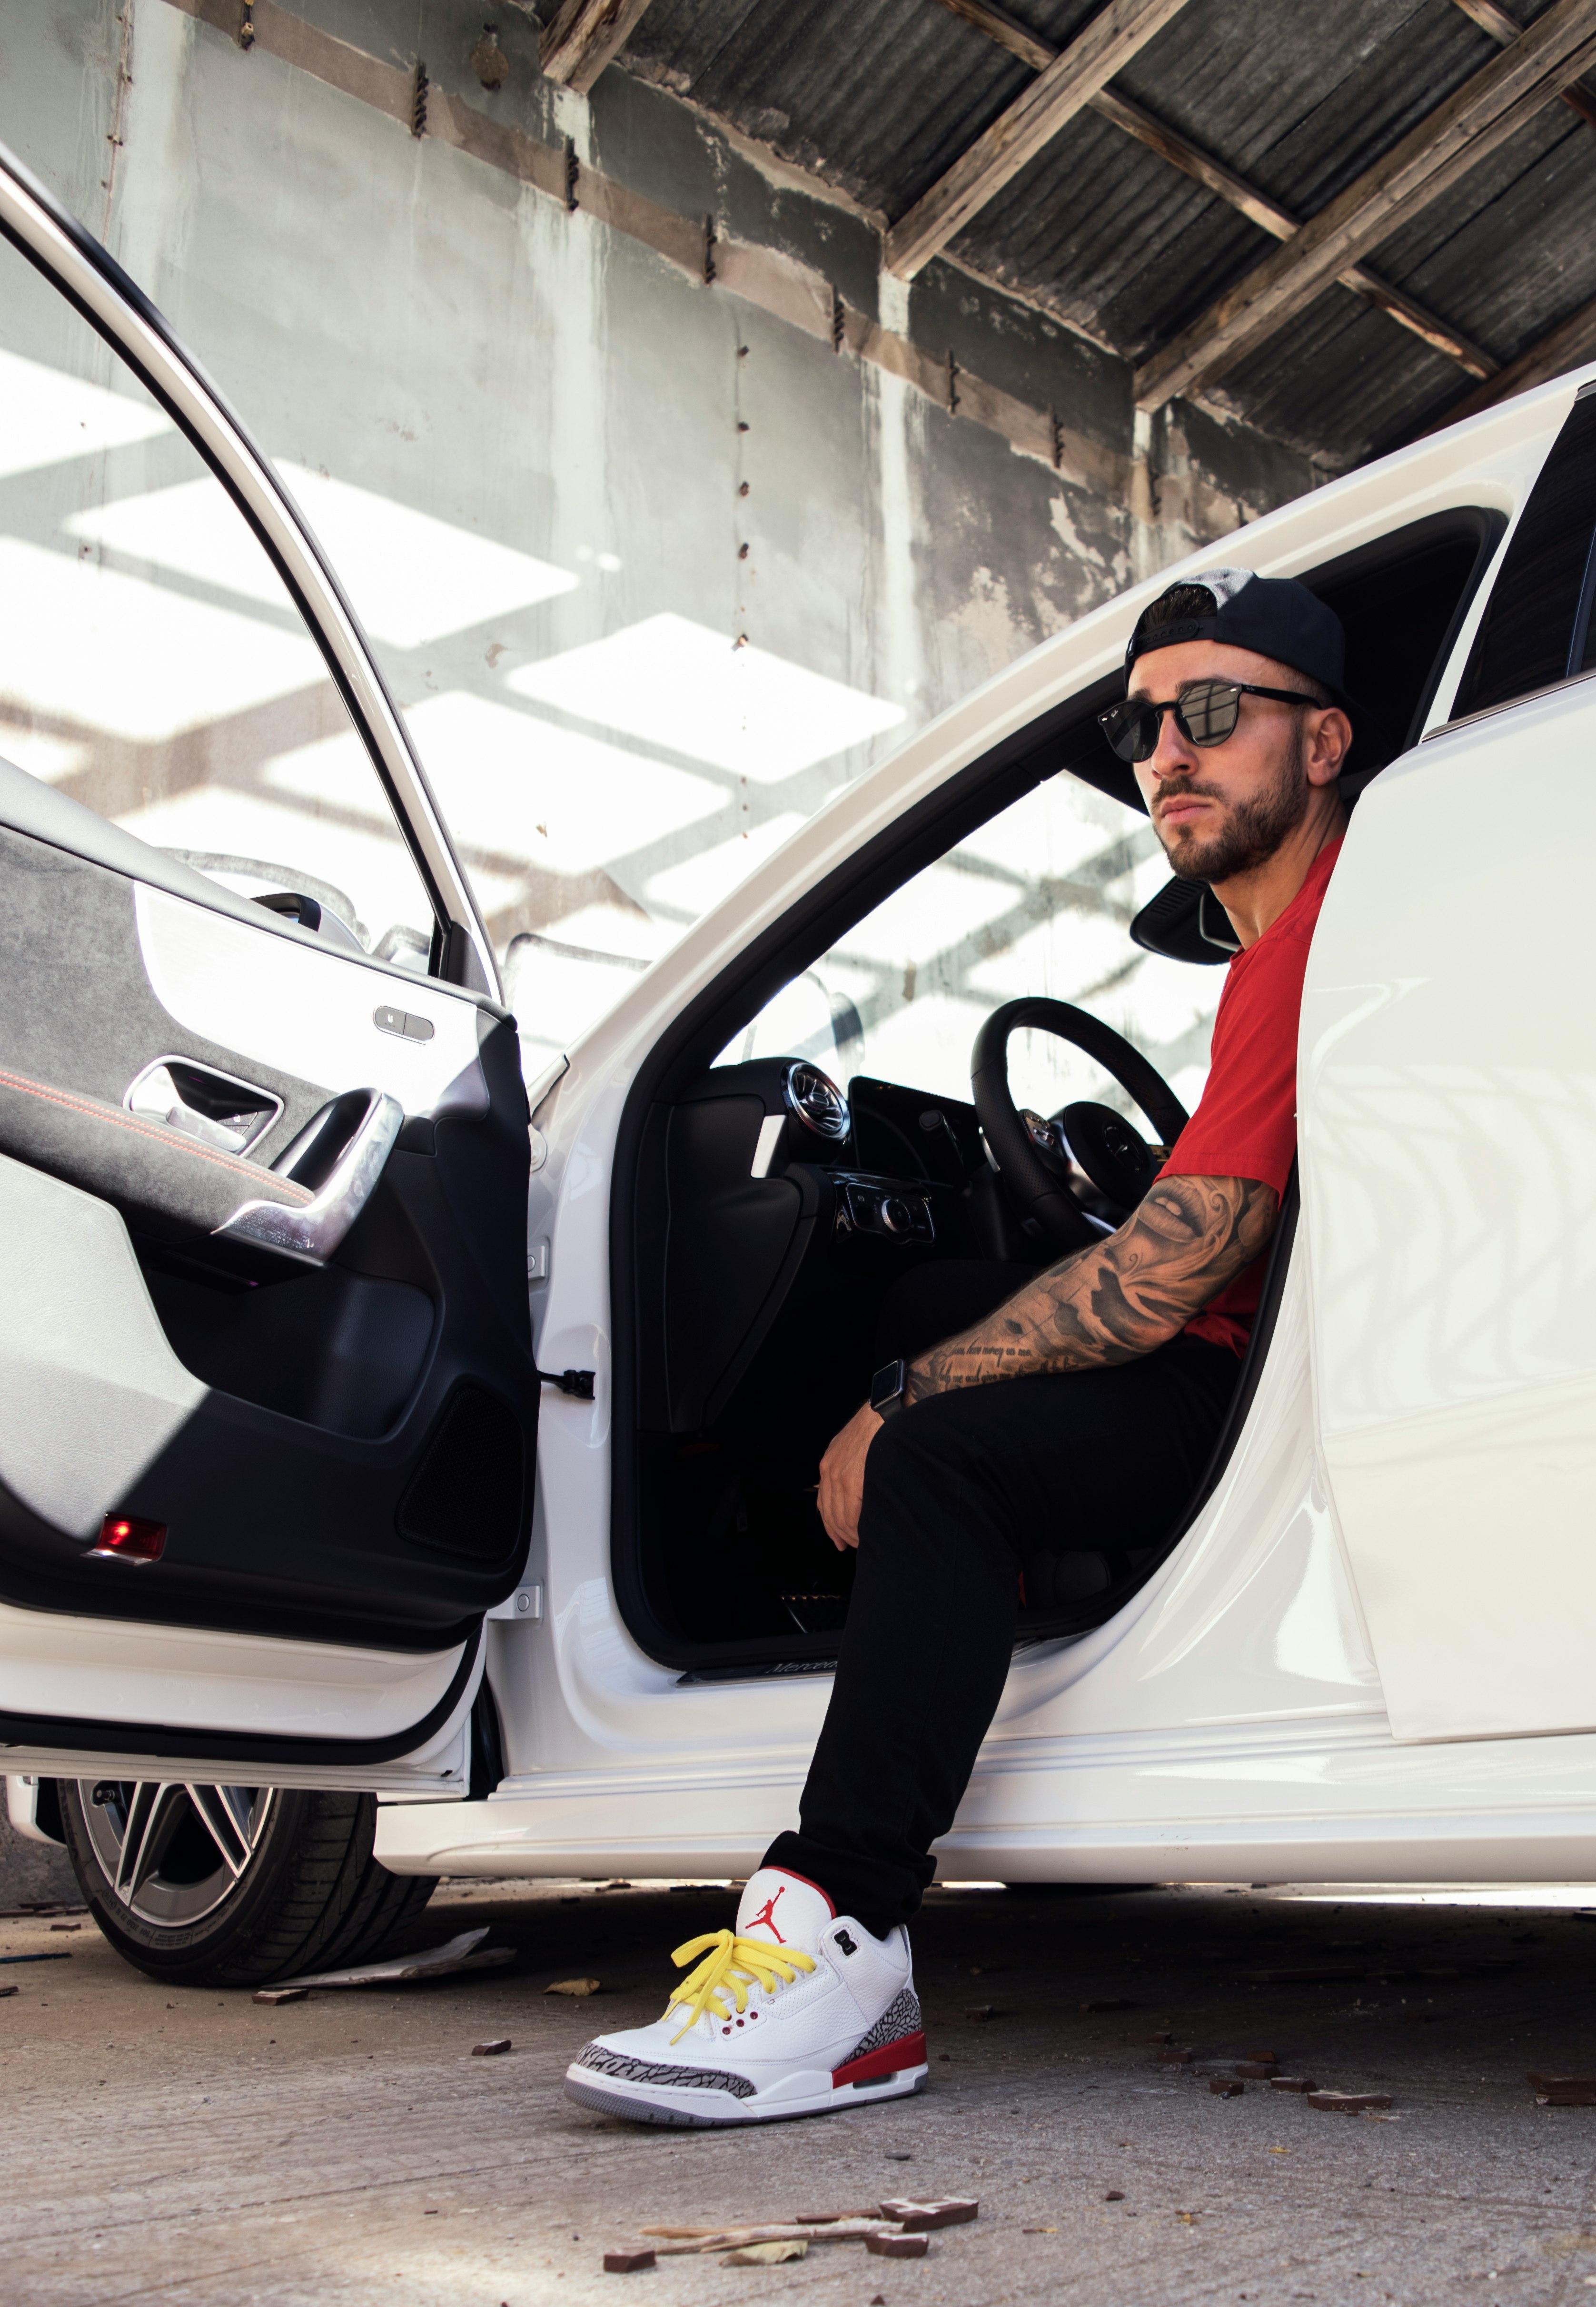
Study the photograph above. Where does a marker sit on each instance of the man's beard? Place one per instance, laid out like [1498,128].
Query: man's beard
[1254,830]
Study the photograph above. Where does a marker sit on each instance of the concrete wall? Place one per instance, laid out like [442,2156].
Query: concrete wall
[748,562]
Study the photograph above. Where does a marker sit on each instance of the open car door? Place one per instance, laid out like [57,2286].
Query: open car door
[1449,1133]
[268,1411]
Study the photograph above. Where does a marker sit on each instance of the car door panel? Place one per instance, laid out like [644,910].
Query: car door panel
[206,1696]
[1449,1148]
[263,1158]
[340,1450]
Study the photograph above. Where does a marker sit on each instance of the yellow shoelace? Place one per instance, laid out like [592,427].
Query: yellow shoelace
[732,1965]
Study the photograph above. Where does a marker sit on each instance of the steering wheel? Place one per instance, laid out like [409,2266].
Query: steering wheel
[1034,1155]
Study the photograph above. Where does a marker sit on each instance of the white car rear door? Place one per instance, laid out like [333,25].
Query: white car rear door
[1448,1137]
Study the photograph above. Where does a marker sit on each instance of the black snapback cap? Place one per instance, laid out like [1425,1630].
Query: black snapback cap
[1274,615]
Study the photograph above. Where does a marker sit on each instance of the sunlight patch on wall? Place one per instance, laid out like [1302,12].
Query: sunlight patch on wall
[680,686]
[52,416]
[411,578]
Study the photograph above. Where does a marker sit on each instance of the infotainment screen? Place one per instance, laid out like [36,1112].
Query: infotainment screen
[908,1133]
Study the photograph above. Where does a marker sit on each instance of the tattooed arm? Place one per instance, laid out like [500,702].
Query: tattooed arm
[1120,1296]
[1110,1302]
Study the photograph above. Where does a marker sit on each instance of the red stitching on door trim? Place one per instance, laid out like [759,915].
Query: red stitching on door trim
[172,1139]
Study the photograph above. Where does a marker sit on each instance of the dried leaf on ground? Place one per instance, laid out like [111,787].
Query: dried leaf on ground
[574,1986]
[275,1994]
[767,2254]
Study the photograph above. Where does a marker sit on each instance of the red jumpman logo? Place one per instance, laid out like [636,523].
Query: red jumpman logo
[766,1914]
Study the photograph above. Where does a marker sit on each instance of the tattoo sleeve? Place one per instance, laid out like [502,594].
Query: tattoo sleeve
[1118,1297]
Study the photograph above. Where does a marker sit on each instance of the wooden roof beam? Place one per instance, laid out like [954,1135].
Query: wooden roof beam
[585,36]
[1015,138]
[1215,177]
[1474,120]
[1504,29]
[1565,347]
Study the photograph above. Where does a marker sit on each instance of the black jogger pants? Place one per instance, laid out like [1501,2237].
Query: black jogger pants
[955,1490]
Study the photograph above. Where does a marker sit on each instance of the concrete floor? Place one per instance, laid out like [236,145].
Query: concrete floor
[195,2147]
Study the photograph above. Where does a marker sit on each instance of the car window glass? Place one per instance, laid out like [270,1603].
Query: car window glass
[1038,901]
[1536,626]
[152,662]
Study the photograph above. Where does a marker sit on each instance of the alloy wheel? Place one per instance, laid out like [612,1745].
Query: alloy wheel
[171,1850]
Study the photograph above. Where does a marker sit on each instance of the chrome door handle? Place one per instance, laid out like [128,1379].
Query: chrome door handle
[312,1230]
[215,1108]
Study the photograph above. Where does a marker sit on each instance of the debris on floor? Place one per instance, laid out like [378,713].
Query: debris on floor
[1292,2083]
[1348,2102]
[8,1990]
[980,2010]
[494,2048]
[1564,2090]
[57,1954]
[275,1994]
[574,1986]
[1225,2086]
[767,2254]
[899,2231]
[627,2262]
[462,1953]
[915,2219]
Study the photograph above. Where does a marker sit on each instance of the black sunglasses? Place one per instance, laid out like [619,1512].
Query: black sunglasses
[1206,715]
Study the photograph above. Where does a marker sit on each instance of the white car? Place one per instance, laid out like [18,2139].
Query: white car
[304,1600]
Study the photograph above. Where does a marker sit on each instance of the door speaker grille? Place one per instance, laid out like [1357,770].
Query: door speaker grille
[465,1496]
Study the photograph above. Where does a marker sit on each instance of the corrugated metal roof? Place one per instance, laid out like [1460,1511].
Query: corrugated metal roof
[879,96]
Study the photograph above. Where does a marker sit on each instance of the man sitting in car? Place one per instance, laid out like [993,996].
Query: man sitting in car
[1091,1399]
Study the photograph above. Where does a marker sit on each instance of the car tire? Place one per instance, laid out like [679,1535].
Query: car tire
[234,1886]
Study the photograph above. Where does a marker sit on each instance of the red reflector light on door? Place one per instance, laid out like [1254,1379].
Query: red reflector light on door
[128,1537]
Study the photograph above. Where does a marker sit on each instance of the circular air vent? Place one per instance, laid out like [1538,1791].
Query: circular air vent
[815,1100]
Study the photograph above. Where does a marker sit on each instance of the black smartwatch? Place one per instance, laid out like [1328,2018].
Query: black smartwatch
[886,1387]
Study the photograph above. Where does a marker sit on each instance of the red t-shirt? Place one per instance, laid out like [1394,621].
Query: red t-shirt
[1246,1126]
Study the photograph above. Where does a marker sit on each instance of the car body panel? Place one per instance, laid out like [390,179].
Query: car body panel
[1449,1167]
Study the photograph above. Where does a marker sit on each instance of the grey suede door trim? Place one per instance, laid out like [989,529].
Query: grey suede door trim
[142,1166]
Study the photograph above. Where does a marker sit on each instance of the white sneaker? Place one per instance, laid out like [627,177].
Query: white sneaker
[800,2010]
